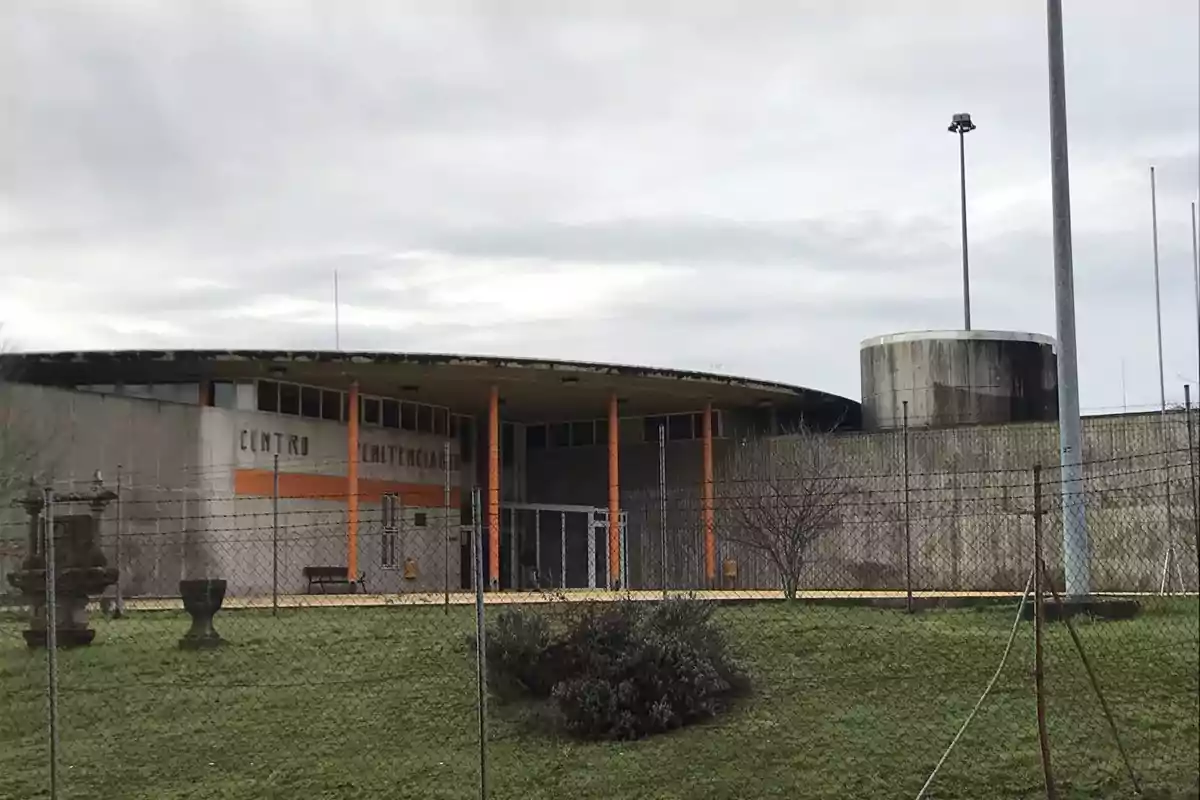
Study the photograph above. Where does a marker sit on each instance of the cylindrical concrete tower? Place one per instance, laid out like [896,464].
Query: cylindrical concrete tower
[958,378]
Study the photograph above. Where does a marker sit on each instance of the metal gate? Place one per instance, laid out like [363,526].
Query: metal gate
[551,569]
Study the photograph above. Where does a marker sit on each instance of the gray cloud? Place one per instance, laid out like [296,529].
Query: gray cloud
[681,184]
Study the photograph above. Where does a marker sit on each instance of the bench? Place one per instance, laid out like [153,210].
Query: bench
[325,576]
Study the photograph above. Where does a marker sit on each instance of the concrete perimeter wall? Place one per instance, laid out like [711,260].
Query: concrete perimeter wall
[970,494]
[971,498]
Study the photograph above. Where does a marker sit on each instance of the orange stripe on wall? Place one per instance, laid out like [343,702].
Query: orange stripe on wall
[302,485]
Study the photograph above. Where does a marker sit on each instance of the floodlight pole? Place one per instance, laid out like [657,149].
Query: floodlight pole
[1076,547]
[962,125]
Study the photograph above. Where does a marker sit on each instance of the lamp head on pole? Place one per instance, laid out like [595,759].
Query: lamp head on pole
[961,123]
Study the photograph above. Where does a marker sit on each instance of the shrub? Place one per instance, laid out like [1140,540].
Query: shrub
[619,670]
[515,646]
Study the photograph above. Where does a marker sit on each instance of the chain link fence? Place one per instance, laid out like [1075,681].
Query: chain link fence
[898,611]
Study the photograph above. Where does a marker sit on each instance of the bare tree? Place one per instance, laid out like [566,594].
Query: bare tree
[779,495]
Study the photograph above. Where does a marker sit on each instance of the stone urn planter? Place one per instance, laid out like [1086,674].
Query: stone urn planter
[81,568]
[202,598]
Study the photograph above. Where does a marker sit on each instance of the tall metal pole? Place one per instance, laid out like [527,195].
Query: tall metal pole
[662,507]
[51,637]
[337,316]
[1077,555]
[1162,383]
[1124,394]
[907,528]
[1196,278]
[962,176]
[275,539]
[1196,283]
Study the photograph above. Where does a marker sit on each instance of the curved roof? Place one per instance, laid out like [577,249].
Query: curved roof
[531,389]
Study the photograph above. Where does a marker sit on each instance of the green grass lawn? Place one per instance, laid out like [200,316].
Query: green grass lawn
[366,703]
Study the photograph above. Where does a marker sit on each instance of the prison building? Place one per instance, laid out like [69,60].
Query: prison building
[257,466]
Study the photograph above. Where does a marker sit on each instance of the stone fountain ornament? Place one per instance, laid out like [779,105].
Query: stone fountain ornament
[202,599]
[80,568]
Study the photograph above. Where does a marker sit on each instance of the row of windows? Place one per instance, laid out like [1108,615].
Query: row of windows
[169,392]
[330,404]
[589,432]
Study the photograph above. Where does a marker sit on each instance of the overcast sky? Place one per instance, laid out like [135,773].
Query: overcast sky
[746,187]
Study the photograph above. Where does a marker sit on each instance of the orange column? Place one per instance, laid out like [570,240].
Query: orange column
[706,500]
[493,509]
[352,482]
[614,495]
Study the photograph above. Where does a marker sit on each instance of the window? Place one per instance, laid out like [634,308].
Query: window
[420,519]
[508,455]
[679,427]
[560,434]
[535,437]
[268,396]
[391,413]
[650,427]
[388,556]
[224,394]
[391,523]
[370,411]
[466,439]
[310,402]
[454,426]
[331,405]
[289,399]
[583,434]
[441,421]
[602,432]
[425,419]
[408,417]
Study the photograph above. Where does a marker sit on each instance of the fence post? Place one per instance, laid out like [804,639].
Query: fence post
[480,640]
[1187,400]
[119,602]
[275,538]
[662,507]
[51,582]
[1038,617]
[446,527]
[907,528]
